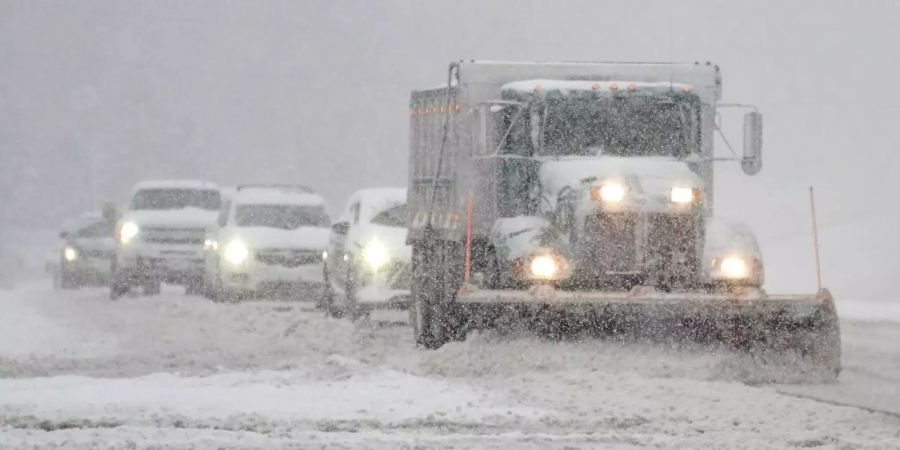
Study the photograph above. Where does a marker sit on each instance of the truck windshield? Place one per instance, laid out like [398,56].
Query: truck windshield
[176,199]
[285,217]
[620,126]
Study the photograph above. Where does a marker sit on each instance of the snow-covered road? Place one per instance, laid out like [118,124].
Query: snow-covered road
[79,371]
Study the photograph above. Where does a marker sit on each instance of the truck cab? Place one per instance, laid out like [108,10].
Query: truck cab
[573,195]
[160,236]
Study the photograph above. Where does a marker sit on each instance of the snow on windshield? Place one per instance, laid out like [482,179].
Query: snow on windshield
[162,199]
[286,217]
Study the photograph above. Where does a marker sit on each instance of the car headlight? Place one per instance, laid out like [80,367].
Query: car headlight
[70,254]
[210,245]
[681,195]
[609,192]
[236,252]
[734,267]
[375,254]
[127,232]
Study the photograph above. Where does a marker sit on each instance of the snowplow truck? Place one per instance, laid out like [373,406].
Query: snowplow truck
[575,195]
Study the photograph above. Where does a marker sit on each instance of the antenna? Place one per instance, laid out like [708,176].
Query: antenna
[815,229]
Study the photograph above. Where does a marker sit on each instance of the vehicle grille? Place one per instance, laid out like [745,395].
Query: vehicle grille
[612,242]
[671,240]
[288,257]
[186,236]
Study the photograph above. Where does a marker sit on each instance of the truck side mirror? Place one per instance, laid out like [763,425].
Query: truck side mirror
[64,234]
[751,163]
[341,228]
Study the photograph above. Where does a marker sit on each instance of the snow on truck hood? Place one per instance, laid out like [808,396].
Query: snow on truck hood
[306,238]
[171,218]
[647,177]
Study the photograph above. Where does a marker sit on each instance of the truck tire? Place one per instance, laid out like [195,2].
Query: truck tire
[436,277]
[194,286]
[152,286]
[118,282]
[67,280]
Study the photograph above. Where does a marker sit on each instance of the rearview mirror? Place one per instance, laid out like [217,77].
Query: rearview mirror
[340,228]
[751,163]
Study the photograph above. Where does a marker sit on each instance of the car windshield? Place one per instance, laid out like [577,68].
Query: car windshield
[160,199]
[393,217]
[285,217]
[620,126]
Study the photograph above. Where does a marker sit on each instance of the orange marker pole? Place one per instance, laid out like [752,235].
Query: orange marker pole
[815,226]
[468,238]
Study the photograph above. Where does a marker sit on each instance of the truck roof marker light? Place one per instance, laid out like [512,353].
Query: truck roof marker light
[595,87]
[631,87]
[458,106]
[539,88]
[613,87]
[687,88]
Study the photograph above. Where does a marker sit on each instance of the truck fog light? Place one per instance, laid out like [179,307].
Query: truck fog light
[610,192]
[734,267]
[544,267]
[70,254]
[682,195]
[236,252]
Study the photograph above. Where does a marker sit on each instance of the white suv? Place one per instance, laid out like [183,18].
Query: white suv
[269,242]
[160,236]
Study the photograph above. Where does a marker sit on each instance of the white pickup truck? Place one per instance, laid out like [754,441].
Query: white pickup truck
[160,236]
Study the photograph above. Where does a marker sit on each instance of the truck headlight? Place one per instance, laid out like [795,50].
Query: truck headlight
[735,268]
[236,252]
[544,267]
[127,232]
[682,195]
[609,192]
[70,254]
[375,255]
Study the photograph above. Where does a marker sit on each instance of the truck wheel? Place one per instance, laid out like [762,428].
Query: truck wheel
[194,286]
[152,286]
[118,286]
[351,302]
[434,316]
[331,310]
[67,280]
[118,282]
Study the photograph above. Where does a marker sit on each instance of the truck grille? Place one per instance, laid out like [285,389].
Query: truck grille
[631,243]
[183,236]
[288,257]
[671,240]
[612,245]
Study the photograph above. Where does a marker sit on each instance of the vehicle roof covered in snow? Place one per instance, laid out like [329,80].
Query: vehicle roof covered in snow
[261,195]
[175,184]
[375,200]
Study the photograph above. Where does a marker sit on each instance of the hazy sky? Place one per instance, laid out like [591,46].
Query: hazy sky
[95,95]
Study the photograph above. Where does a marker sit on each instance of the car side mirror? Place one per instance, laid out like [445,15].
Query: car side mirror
[751,163]
[341,228]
